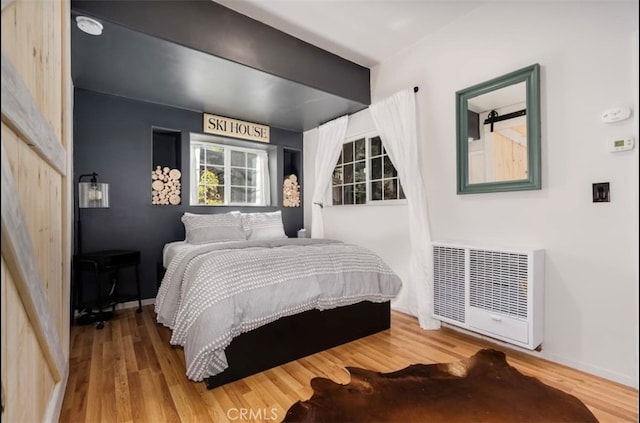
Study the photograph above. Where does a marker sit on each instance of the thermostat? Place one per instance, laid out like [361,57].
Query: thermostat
[616,114]
[621,144]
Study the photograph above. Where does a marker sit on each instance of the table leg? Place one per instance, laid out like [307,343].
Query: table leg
[138,289]
[100,316]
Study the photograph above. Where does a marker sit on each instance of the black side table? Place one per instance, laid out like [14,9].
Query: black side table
[108,262]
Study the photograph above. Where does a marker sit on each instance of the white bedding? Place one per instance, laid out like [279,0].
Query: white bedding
[172,249]
[214,292]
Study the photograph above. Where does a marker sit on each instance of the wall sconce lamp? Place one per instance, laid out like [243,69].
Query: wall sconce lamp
[91,195]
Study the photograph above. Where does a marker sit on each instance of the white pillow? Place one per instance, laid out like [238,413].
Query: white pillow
[203,228]
[263,225]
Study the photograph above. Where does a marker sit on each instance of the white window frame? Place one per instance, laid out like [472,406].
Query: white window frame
[228,145]
[369,202]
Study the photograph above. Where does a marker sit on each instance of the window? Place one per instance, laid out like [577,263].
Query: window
[224,174]
[364,174]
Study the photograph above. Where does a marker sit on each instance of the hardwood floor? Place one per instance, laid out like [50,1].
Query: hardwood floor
[128,372]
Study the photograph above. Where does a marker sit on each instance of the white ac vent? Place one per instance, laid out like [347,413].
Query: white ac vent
[448,268]
[495,292]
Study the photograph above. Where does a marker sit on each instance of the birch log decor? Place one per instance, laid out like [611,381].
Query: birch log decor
[291,192]
[166,186]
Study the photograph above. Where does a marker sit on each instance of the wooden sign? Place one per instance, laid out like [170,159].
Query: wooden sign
[228,127]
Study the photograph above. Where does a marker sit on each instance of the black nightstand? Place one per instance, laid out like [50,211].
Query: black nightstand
[107,262]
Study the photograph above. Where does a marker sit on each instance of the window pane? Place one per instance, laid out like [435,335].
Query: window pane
[252,177]
[389,169]
[252,160]
[348,194]
[360,171]
[210,191]
[214,161]
[361,193]
[238,176]
[210,196]
[238,195]
[360,149]
[376,168]
[359,163]
[376,190]
[337,175]
[238,158]
[211,176]
[348,174]
[347,152]
[390,189]
[219,171]
[215,156]
[251,196]
[376,146]
[337,196]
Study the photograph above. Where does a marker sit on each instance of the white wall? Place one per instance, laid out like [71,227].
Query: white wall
[586,53]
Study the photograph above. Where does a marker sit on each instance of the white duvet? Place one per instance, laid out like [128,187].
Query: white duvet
[215,292]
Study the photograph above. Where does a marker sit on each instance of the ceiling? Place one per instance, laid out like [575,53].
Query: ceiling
[506,96]
[131,64]
[363,31]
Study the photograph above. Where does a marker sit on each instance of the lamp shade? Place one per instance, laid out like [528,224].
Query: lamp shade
[93,195]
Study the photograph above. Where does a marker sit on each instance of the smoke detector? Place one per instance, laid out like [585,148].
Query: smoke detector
[89,25]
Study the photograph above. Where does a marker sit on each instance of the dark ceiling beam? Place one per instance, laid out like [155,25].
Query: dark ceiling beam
[212,28]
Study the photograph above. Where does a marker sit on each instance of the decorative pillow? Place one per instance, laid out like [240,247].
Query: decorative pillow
[263,225]
[203,228]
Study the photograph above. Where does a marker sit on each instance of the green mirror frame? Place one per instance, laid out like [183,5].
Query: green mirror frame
[530,75]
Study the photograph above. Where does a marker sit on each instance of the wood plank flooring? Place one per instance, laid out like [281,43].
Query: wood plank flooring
[128,372]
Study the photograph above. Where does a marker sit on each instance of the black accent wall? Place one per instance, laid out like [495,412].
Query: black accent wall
[113,137]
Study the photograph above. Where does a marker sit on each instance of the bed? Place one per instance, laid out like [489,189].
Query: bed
[240,306]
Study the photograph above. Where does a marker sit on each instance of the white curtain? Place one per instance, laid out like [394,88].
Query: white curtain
[395,120]
[330,139]
[194,175]
[263,193]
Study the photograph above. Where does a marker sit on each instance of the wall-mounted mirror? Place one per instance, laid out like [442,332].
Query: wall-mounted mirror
[498,133]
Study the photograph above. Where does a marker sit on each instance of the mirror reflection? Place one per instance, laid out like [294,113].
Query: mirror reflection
[498,135]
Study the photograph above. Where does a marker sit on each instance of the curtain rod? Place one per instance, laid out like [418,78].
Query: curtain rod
[415,90]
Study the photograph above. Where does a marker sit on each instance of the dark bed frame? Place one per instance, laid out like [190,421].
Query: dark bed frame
[294,337]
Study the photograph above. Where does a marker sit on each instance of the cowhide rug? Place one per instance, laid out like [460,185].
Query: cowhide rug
[482,388]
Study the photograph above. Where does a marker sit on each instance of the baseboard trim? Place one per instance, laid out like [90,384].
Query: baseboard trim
[577,365]
[122,306]
[134,304]
[594,370]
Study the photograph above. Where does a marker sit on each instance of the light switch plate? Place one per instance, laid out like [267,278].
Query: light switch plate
[601,192]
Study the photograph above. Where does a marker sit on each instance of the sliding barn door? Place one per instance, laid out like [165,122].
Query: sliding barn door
[36,211]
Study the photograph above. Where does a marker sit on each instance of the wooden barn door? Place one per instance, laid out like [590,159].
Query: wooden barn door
[36,208]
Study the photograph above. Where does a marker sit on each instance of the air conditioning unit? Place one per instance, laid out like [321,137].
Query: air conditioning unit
[492,291]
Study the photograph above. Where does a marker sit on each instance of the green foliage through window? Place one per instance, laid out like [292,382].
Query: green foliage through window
[208,189]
